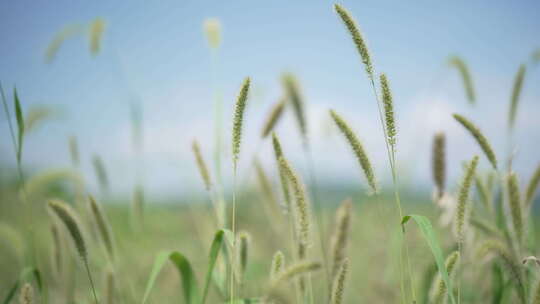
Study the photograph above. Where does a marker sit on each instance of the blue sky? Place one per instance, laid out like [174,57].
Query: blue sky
[155,53]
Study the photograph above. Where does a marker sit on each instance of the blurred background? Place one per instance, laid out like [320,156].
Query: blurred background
[154,65]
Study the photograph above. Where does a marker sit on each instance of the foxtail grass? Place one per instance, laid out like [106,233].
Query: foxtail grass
[244,240]
[338,289]
[514,200]
[292,89]
[502,252]
[439,288]
[212,30]
[364,53]
[516,93]
[102,226]
[340,237]
[438,163]
[201,165]
[238,120]
[296,270]
[70,220]
[357,148]
[97,28]
[302,212]
[272,119]
[101,173]
[278,154]
[463,199]
[479,137]
[390,121]
[357,38]
[26,294]
[461,66]
[278,264]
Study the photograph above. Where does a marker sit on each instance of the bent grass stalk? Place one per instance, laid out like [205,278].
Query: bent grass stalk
[102,225]
[70,220]
[479,137]
[514,98]
[461,66]
[276,112]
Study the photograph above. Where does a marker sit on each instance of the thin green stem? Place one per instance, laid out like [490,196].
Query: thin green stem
[233,229]
[391,158]
[90,279]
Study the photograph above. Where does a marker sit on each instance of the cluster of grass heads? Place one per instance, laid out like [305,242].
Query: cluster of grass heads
[378,261]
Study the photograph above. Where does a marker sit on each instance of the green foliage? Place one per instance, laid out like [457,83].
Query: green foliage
[429,235]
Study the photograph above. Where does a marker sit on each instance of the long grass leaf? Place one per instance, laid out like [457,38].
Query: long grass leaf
[189,282]
[429,235]
[20,124]
[214,253]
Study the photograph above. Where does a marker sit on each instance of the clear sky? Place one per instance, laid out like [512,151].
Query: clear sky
[155,53]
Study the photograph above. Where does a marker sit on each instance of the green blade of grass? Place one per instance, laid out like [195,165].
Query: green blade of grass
[26,274]
[214,252]
[189,282]
[20,124]
[429,235]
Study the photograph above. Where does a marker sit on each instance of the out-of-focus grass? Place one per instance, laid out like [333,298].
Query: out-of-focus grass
[189,227]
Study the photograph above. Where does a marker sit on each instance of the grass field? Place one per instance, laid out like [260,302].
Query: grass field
[280,236]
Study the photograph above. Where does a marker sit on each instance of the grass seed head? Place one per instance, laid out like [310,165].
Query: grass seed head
[238,119]
[27,294]
[302,212]
[479,137]
[463,198]
[389,115]
[70,220]
[340,237]
[212,30]
[358,40]
[294,96]
[357,148]
[272,118]
[278,263]
[338,288]
[439,289]
[516,93]
[439,163]
[461,66]
[201,165]
[102,225]
[514,199]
